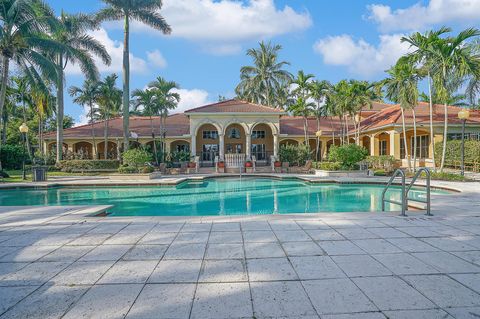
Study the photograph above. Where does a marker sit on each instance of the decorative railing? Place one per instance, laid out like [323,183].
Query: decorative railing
[234,160]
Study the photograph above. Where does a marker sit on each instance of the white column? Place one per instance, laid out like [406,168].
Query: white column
[275,145]
[221,146]
[248,146]
[372,145]
[193,145]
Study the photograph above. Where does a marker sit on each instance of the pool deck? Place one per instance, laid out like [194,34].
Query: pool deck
[57,262]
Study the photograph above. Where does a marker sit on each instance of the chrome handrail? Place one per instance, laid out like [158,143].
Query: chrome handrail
[402,202]
[427,186]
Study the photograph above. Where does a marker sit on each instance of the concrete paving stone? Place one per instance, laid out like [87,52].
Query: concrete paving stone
[392,293]
[282,299]
[108,228]
[145,252]
[268,269]
[292,235]
[388,232]
[470,256]
[376,246]
[336,296]
[312,224]
[356,233]
[82,273]
[225,237]
[33,274]
[418,314]
[472,281]
[473,241]
[67,253]
[56,239]
[411,245]
[123,238]
[369,223]
[302,248]
[283,225]
[105,302]
[163,301]
[192,237]
[171,271]
[221,301]
[232,270]
[185,251]
[263,250]
[47,303]
[157,238]
[358,315]
[28,254]
[259,236]
[79,228]
[316,267]
[340,223]
[9,296]
[106,252]
[444,291]
[448,244]
[9,268]
[197,227]
[361,266]
[324,234]
[419,231]
[23,240]
[340,247]
[8,250]
[225,227]
[225,251]
[255,225]
[404,264]
[446,262]
[465,313]
[167,227]
[127,272]
[89,239]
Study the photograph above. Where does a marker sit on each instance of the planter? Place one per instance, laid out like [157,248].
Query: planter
[39,173]
[249,170]
[248,164]
[277,164]
[221,164]
[278,169]
[221,169]
[192,165]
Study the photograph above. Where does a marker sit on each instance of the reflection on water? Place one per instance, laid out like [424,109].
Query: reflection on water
[225,196]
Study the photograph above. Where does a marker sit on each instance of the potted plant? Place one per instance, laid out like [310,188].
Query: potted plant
[277,166]
[221,167]
[192,164]
[248,167]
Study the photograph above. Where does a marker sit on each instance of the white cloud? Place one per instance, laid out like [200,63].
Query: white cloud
[418,16]
[359,56]
[115,49]
[156,59]
[82,118]
[190,99]
[220,27]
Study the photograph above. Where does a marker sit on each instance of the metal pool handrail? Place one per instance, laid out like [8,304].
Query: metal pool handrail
[402,202]
[427,187]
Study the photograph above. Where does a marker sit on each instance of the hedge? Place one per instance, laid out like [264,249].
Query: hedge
[348,155]
[384,163]
[454,150]
[296,155]
[87,165]
[11,156]
[328,166]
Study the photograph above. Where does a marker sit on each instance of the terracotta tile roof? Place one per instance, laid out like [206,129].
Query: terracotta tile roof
[392,115]
[176,125]
[235,106]
[293,125]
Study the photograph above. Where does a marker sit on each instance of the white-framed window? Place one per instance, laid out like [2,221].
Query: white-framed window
[210,135]
[383,148]
[233,133]
[182,148]
[258,134]
[422,150]
[468,136]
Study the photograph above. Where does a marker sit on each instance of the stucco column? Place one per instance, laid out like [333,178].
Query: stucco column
[221,145]
[395,144]
[275,145]
[193,144]
[248,145]
[373,145]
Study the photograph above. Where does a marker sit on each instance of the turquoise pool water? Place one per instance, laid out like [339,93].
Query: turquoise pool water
[222,196]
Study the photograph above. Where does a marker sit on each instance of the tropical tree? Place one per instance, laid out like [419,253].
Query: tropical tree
[304,108]
[86,96]
[260,82]
[319,92]
[144,11]
[109,101]
[145,102]
[302,84]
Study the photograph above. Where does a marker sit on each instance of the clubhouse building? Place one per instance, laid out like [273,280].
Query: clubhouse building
[235,126]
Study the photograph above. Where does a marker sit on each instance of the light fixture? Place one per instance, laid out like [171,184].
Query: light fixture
[464,114]
[23,128]
[319,133]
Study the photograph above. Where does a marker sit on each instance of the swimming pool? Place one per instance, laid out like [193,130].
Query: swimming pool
[221,196]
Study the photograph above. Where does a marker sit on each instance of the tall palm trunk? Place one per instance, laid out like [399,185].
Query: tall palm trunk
[126,84]
[305,130]
[317,146]
[162,157]
[4,128]
[347,130]
[3,89]
[105,138]
[414,141]
[92,124]
[60,110]
[407,153]
[430,104]
[445,124]
[27,140]
[154,141]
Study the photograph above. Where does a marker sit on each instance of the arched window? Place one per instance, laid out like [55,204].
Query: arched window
[234,133]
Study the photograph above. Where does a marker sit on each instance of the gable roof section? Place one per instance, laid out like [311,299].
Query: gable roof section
[293,125]
[234,106]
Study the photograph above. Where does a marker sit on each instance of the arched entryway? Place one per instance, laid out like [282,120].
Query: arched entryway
[288,142]
[83,150]
[111,150]
[180,146]
[207,143]
[383,143]
[235,139]
[262,143]
[423,150]
[316,154]
[52,147]
[329,144]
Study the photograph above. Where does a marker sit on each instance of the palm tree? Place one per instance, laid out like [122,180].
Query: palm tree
[319,92]
[166,99]
[258,83]
[109,100]
[86,96]
[145,11]
[282,98]
[402,88]
[422,54]
[302,84]
[453,57]
[147,100]
[78,49]
[23,28]
[302,107]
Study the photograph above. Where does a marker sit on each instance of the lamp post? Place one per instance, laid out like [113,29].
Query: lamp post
[463,115]
[24,130]
[318,134]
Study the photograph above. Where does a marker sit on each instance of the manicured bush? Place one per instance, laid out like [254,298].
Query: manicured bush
[294,154]
[445,176]
[136,158]
[181,156]
[87,165]
[349,155]
[454,151]
[11,156]
[125,169]
[384,163]
[148,169]
[328,166]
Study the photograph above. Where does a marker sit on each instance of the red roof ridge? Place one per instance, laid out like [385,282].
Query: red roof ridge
[230,101]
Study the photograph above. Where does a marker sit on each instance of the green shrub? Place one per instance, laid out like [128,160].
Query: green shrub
[380,172]
[294,154]
[181,156]
[11,156]
[148,169]
[328,166]
[87,165]
[445,176]
[454,150]
[348,155]
[125,169]
[136,158]
[385,163]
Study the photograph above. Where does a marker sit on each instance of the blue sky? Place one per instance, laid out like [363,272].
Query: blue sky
[330,39]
